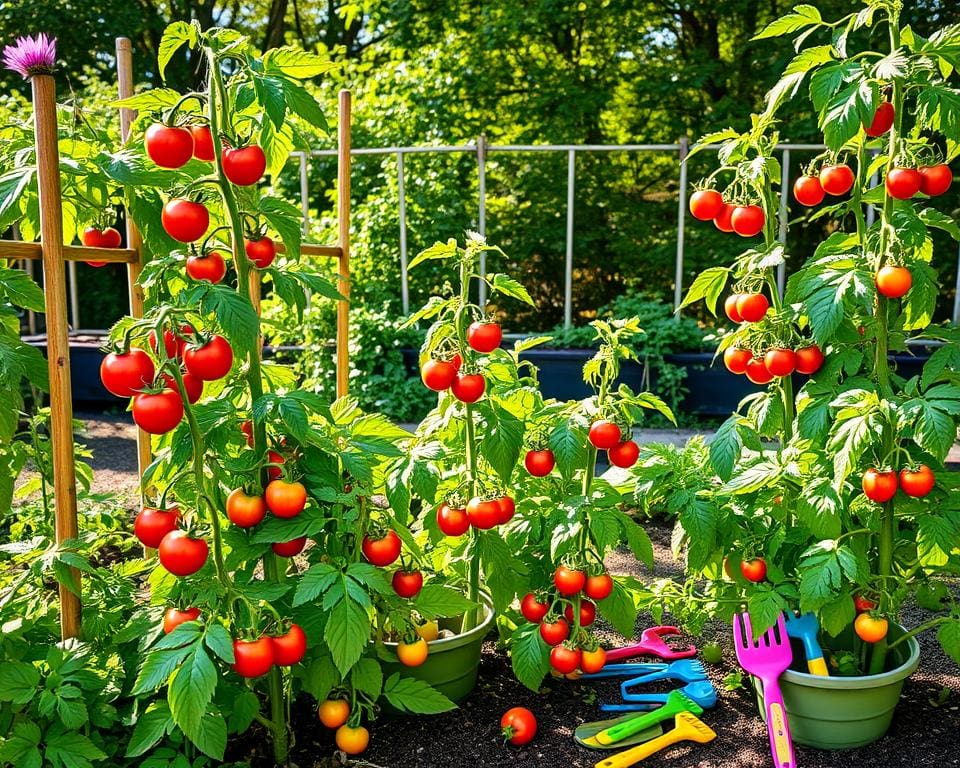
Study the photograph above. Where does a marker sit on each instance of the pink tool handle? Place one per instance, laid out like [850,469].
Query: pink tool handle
[627,652]
[781,745]
[644,649]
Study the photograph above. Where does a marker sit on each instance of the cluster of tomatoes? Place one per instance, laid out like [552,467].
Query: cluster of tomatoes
[880,485]
[606,435]
[746,220]
[467,386]
[157,404]
[869,625]
[574,589]
[481,512]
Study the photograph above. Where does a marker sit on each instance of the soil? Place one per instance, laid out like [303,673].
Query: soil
[925,730]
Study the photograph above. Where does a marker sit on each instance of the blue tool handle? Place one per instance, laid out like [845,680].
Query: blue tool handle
[650,677]
[627,707]
[645,698]
[619,670]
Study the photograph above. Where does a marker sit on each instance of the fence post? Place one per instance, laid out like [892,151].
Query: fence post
[74,295]
[568,261]
[134,240]
[58,345]
[681,221]
[404,277]
[482,212]
[343,224]
[305,194]
[782,215]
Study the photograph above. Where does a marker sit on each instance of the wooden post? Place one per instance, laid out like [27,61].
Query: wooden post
[134,240]
[343,220]
[58,345]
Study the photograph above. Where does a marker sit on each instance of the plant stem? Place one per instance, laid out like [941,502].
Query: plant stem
[919,630]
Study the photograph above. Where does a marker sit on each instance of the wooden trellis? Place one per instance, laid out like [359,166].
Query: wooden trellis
[54,254]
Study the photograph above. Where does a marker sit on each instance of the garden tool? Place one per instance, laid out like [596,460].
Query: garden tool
[685,670]
[686,727]
[700,691]
[677,702]
[652,644]
[628,669]
[805,628]
[766,658]
[585,735]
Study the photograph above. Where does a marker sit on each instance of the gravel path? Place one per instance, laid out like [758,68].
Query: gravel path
[925,731]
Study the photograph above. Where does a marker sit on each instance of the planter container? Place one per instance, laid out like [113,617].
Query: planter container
[453,662]
[844,712]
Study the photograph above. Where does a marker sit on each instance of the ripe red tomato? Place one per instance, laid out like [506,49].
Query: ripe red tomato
[568,581]
[705,204]
[598,587]
[181,554]
[191,385]
[285,499]
[730,307]
[893,282]
[173,618]
[736,359]
[209,361]
[158,413]
[554,632]
[882,120]
[780,362]
[100,238]
[185,220]
[870,628]
[917,483]
[518,726]
[253,658]
[935,179]
[172,345]
[289,548]
[483,513]
[484,337]
[809,359]
[752,307]
[588,613]
[506,507]
[605,434]
[245,511]
[748,220]
[836,179]
[624,454]
[757,371]
[532,609]
[539,463]
[247,429]
[808,191]
[879,485]
[290,647]
[407,583]
[209,266]
[468,387]
[565,659]
[593,661]
[124,374]
[169,146]
[452,521]
[382,551]
[754,570]
[244,166]
[722,220]
[438,375]
[202,142]
[862,603]
[274,458]
[261,252]
[152,524]
[902,183]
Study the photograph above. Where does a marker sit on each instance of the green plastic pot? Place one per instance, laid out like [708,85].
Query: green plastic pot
[844,712]
[453,662]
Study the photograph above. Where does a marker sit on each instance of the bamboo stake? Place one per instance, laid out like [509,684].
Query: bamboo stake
[134,240]
[343,219]
[58,345]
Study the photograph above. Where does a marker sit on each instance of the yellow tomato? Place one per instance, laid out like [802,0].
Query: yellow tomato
[352,740]
[413,654]
[429,631]
[334,712]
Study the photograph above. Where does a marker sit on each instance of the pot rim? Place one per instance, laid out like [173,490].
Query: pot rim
[859,682]
[465,638]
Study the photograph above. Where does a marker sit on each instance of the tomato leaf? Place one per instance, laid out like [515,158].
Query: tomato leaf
[411,695]
[243,711]
[320,677]
[529,656]
[619,609]
[949,638]
[936,539]
[219,641]
[366,676]
[436,601]
[346,633]
[176,35]
[317,580]
[18,682]
[765,606]
[708,285]
[211,736]
[568,443]
[509,287]
[234,314]
[803,16]
[191,690]
[150,727]
[503,572]
[71,749]
[502,442]
[837,615]
[295,62]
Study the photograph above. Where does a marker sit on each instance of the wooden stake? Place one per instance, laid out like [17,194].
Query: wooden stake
[134,240]
[58,345]
[343,219]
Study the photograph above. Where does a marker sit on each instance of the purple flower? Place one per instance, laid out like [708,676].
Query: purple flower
[31,56]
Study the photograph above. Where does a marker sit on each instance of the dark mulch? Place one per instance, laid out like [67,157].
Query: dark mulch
[925,730]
